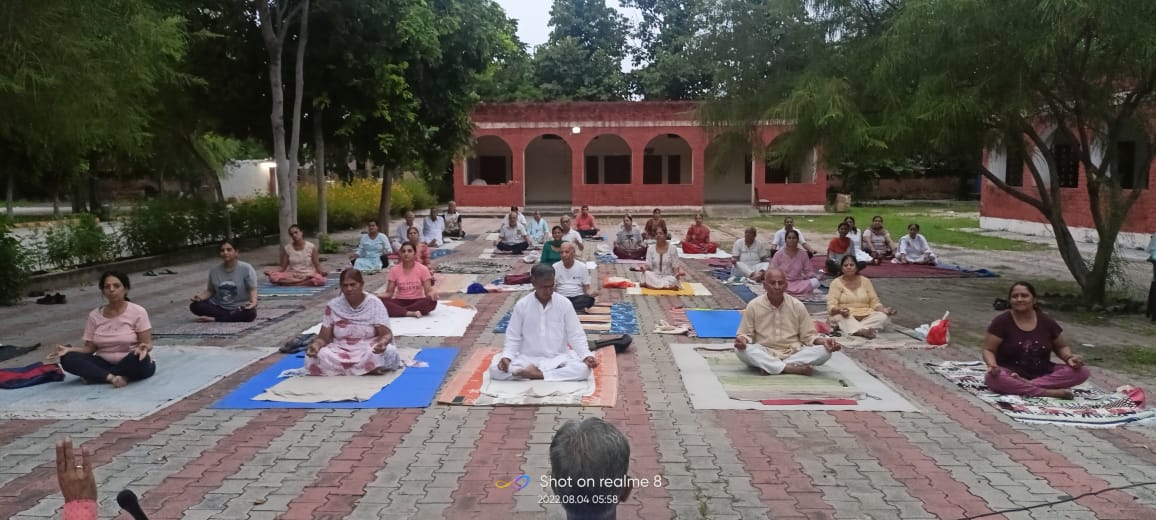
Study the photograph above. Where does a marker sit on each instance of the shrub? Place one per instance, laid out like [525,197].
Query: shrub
[15,265]
[80,241]
[256,217]
[168,223]
[350,205]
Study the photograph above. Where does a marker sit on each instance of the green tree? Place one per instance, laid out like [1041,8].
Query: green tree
[666,59]
[511,77]
[582,60]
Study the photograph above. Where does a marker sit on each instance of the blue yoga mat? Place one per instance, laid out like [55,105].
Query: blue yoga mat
[415,388]
[714,323]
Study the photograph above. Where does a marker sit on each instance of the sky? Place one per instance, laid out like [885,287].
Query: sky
[534,15]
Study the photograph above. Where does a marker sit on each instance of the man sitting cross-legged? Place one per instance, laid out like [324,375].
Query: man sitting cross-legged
[596,454]
[776,334]
[542,331]
[512,236]
[572,279]
[584,223]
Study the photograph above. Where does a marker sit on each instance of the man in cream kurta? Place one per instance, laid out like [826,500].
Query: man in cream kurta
[544,339]
[776,334]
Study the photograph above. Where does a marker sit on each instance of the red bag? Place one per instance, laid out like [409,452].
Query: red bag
[939,333]
[517,279]
[614,282]
[699,249]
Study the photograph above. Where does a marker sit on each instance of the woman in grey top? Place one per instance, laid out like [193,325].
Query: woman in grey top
[231,294]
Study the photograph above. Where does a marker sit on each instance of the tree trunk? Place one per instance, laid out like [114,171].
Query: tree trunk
[56,203]
[273,45]
[11,191]
[298,94]
[383,207]
[319,171]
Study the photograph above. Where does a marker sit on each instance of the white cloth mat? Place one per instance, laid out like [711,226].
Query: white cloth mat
[445,321]
[328,389]
[699,289]
[697,256]
[536,392]
[707,393]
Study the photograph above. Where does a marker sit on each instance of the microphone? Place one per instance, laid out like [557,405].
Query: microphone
[128,502]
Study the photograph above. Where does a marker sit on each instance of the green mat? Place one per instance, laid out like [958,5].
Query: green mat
[748,384]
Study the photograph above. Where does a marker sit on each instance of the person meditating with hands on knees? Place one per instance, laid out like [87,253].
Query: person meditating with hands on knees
[584,223]
[572,279]
[300,264]
[853,305]
[544,339]
[777,335]
[512,236]
[373,250]
[355,337]
[409,291]
[662,269]
[1018,351]
[697,239]
[117,339]
[222,300]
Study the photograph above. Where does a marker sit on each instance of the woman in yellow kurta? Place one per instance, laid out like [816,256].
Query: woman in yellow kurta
[853,305]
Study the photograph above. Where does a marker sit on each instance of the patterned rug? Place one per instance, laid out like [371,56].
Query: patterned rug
[1092,407]
[623,320]
[472,267]
[466,388]
[268,290]
[195,329]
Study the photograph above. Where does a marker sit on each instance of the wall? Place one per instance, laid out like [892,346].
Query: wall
[247,179]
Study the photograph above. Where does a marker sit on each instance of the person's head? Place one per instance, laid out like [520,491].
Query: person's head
[1022,296]
[372,226]
[114,285]
[844,228]
[657,213]
[556,232]
[409,216]
[351,283]
[792,239]
[433,213]
[585,209]
[514,210]
[913,229]
[627,222]
[565,223]
[775,282]
[789,223]
[850,221]
[660,232]
[227,250]
[542,278]
[295,233]
[537,215]
[848,266]
[407,253]
[568,253]
[592,452]
[750,233]
[698,219]
[876,222]
[412,234]
[512,219]
[453,206]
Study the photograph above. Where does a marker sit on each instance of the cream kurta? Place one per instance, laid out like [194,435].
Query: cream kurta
[784,329]
[861,302]
[543,336]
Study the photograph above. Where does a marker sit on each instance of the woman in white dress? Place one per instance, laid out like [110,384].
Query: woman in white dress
[662,269]
[856,236]
[914,249]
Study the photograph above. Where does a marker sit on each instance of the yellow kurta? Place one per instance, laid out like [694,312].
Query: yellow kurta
[784,330]
[862,301]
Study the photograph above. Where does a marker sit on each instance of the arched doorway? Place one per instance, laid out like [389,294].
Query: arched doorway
[491,162]
[729,170]
[607,161]
[667,160]
[788,170]
[548,171]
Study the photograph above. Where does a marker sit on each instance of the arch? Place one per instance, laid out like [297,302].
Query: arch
[607,161]
[790,170]
[548,170]
[666,159]
[730,169]
[491,162]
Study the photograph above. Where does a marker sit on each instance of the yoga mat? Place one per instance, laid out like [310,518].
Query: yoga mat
[268,290]
[181,372]
[688,289]
[450,319]
[743,292]
[265,317]
[451,283]
[1092,407]
[471,267]
[890,270]
[885,340]
[466,386]
[334,389]
[707,393]
[711,323]
[702,256]
[449,245]
[414,388]
[623,320]
[744,383]
[12,351]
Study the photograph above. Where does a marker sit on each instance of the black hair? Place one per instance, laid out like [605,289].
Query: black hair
[123,278]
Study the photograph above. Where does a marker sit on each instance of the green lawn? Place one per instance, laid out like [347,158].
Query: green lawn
[941,224]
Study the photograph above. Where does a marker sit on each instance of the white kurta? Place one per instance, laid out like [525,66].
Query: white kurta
[748,259]
[543,336]
[856,237]
[915,249]
[400,236]
[431,230]
[779,241]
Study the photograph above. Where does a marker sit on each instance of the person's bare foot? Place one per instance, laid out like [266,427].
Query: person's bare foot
[413,314]
[1060,393]
[799,370]
[206,319]
[865,333]
[530,372]
[117,381]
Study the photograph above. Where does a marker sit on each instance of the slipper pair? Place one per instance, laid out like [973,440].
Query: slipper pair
[53,299]
[163,271]
[665,327]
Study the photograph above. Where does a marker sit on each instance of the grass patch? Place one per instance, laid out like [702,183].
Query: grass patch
[942,225]
[1131,359]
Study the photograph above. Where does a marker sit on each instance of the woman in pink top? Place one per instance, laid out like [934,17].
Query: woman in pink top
[797,266]
[300,264]
[421,249]
[117,339]
[409,291]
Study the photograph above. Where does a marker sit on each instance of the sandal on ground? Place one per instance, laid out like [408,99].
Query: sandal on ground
[666,328]
[150,273]
[167,271]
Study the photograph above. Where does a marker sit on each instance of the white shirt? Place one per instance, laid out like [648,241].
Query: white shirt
[752,254]
[403,230]
[572,236]
[512,235]
[571,281]
[914,248]
[537,332]
[431,230]
[779,241]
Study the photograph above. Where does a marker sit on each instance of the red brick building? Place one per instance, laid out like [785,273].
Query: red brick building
[620,155]
[1000,211]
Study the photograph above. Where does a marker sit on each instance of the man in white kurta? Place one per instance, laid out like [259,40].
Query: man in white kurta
[749,255]
[432,228]
[544,339]
[777,335]
[401,235]
[779,240]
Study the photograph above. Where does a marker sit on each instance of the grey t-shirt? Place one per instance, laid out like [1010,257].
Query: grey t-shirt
[231,288]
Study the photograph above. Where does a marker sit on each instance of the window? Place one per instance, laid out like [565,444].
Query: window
[1126,167]
[1067,164]
[617,169]
[652,169]
[777,172]
[592,170]
[674,169]
[748,169]
[492,168]
[1014,168]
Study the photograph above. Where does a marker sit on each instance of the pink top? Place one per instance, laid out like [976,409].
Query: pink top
[115,337]
[584,222]
[80,510]
[301,262]
[409,284]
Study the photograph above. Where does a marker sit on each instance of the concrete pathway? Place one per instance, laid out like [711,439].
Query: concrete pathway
[956,458]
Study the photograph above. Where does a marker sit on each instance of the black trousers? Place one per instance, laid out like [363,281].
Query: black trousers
[95,369]
[581,302]
[517,249]
[587,233]
[207,308]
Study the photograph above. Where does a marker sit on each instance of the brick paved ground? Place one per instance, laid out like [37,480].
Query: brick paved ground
[955,458]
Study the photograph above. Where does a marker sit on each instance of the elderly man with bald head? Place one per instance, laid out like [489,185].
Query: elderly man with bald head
[572,279]
[777,335]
